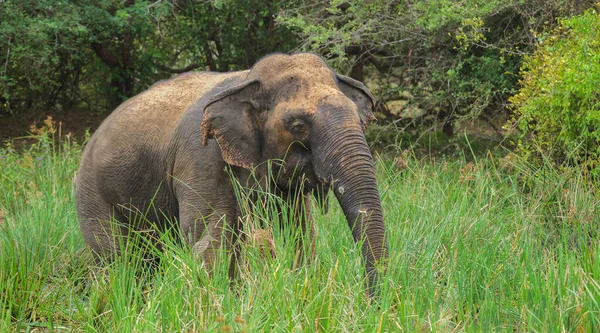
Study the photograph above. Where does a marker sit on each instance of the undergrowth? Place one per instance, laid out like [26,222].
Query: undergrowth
[484,244]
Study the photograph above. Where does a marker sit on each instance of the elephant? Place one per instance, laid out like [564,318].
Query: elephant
[181,144]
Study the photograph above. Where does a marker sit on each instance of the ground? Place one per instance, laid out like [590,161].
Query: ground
[17,128]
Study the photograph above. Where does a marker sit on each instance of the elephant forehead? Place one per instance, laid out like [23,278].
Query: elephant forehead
[305,67]
[333,106]
[310,99]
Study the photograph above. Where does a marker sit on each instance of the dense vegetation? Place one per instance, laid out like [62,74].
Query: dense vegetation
[428,62]
[557,110]
[488,245]
[95,54]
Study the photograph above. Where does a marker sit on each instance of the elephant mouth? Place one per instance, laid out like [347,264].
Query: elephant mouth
[301,179]
[302,183]
[312,185]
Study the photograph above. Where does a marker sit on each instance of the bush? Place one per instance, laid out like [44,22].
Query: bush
[557,109]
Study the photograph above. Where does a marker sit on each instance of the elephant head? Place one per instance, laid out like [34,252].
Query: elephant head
[295,109]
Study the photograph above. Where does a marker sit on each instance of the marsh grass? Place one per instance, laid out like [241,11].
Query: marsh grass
[489,245]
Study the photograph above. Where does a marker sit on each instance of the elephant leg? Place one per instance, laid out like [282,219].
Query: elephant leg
[208,230]
[104,229]
[217,235]
[304,233]
[236,252]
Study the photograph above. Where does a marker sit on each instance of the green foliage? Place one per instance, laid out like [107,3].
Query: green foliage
[71,54]
[118,34]
[233,34]
[473,247]
[446,60]
[94,55]
[42,45]
[557,109]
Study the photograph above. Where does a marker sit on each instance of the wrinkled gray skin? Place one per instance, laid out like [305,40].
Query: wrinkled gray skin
[173,142]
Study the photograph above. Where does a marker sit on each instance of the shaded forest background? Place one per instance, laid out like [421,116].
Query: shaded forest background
[431,64]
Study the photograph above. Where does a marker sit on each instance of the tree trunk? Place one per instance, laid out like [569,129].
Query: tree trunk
[357,69]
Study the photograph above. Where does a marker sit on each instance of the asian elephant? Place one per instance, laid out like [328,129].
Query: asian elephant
[173,143]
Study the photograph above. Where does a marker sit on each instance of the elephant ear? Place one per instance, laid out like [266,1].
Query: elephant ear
[229,119]
[358,93]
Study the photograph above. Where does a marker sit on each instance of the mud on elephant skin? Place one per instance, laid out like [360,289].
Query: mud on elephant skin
[172,143]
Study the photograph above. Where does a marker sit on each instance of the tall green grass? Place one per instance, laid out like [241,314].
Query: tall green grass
[490,245]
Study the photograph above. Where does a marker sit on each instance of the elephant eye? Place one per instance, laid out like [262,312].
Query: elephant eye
[298,128]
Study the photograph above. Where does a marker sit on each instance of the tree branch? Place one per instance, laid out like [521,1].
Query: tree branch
[177,70]
[374,56]
[209,57]
[104,55]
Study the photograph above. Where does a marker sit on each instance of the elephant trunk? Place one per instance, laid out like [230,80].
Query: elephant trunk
[346,164]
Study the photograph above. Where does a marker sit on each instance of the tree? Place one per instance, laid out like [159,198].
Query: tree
[97,54]
[43,49]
